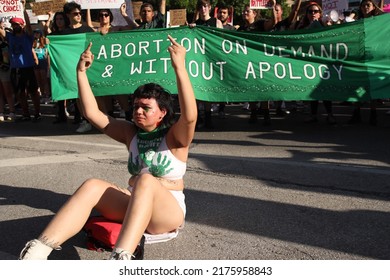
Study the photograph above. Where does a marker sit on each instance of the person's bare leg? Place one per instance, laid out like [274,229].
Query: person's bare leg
[152,208]
[71,218]
[74,213]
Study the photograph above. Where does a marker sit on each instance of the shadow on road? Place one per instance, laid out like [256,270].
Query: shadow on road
[362,233]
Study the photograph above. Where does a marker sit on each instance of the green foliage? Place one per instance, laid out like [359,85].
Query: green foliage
[177,4]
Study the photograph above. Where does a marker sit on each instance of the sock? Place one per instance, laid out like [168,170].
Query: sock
[35,250]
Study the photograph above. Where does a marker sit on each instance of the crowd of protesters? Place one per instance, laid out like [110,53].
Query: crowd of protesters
[25,63]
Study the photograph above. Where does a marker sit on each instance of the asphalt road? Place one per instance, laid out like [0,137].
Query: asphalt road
[289,191]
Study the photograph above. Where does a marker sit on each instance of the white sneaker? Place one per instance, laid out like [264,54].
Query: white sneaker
[2,118]
[84,127]
[11,117]
[245,106]
[119,254]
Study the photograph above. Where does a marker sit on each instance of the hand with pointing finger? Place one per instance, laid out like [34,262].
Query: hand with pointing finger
[86,59]
[177,52]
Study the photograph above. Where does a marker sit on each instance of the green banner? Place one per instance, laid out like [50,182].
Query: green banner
[347,62]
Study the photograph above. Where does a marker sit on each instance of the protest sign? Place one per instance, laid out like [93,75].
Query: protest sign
[348,62]
[98,4]
[334,5]
[137,9]
[11,8]
[260,4]
[177,17]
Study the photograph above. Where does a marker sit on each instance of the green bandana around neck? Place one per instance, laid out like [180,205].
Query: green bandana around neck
[148,143]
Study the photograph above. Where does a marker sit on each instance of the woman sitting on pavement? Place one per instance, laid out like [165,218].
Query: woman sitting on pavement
[158,151]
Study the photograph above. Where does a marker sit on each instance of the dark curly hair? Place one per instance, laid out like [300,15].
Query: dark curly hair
[163,98]
[70,6]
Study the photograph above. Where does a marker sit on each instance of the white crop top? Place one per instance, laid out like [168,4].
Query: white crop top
[164,163]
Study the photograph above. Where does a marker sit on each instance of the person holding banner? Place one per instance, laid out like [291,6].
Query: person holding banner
[313,19]
[73,12]
[252,23]
[158,152]
[224,12]
[203,9]
[282,25]
[367,8]
[105,19]
[56,25]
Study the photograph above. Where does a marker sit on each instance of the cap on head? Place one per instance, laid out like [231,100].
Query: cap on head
[17,20]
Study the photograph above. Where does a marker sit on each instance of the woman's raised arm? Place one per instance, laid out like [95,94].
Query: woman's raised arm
[184,129]
[119,130]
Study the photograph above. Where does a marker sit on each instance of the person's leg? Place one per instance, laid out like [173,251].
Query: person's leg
[70,219]
[221,110]
[279,109]
[253,109]
[85,126]
[7,91]
[313,112]
[9,96]
[41,77]
[2,117]
[329,110]
[373,116]
[264,105]
[124,102]
[77,113]
[21,94]
[61,117]
[152,208]
[33,91]
[208,123]
[356,117]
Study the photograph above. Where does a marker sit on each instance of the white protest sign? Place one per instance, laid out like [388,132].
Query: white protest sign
[11,8]
[334,5]
[98,4]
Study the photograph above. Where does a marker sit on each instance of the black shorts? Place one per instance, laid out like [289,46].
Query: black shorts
[24,78]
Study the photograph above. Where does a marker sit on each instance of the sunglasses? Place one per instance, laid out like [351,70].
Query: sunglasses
[104,15]
[313,11]
[76,13]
